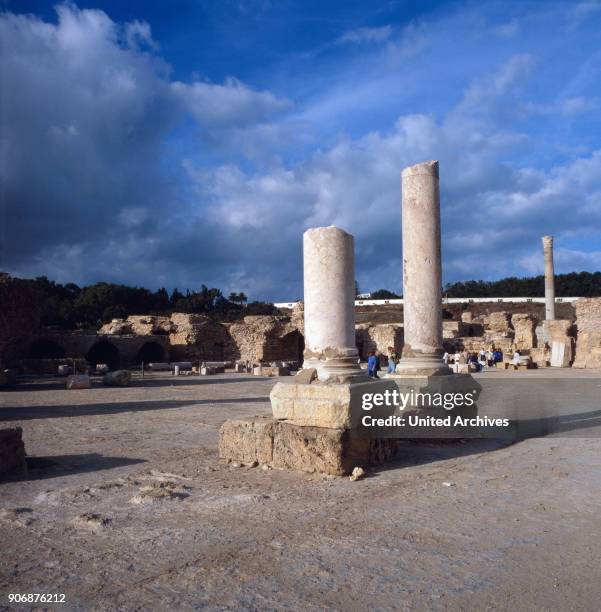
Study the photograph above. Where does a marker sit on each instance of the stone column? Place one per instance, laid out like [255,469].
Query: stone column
[329,287]
[549,279]
[422,272]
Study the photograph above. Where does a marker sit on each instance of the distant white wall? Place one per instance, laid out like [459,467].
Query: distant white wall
[513,300]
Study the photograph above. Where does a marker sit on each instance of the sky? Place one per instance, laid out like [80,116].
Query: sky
[192,142]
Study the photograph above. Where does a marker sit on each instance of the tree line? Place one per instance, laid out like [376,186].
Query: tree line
[70,306]
[574,284]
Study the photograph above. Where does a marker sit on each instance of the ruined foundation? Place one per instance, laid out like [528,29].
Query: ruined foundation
[295,447]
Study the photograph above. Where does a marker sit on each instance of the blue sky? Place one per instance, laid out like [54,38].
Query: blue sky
[189,142]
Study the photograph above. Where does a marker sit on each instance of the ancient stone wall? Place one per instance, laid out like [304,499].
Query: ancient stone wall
[378,338]
[265,338]
[588,333]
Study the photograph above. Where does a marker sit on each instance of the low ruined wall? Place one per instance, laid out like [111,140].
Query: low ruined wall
[588,333]
[379,338]
[265,338]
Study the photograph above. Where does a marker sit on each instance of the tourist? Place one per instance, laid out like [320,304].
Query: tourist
[392,360]
[378,363]
[445,358]
[372,364]
[516,359]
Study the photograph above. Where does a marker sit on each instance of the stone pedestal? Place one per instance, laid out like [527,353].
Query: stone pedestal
[422,272]
[329,298]
[549,278]
[318,427]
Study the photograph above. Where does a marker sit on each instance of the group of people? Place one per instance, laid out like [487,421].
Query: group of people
[374,362]
[481,360]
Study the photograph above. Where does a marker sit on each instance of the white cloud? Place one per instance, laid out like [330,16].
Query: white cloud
[229,105]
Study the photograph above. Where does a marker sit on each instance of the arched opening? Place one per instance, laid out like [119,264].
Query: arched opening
[45,349]
[151,352]
[104,352]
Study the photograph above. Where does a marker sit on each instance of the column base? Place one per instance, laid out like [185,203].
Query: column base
[423,365]
[339,369]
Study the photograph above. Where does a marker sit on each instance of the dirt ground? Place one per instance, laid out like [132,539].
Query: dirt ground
[126,506]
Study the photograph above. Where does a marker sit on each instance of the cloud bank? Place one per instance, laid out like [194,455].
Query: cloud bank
[112,170]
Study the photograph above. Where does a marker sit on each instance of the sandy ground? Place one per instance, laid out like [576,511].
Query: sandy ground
[126,506]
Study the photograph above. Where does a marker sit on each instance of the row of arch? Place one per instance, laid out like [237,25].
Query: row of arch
[102,351]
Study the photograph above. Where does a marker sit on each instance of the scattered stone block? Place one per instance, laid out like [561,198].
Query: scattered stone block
[276,371]
[356,474]
[118,378]
[305,376]
[12,450]
[306,449]
[78,381]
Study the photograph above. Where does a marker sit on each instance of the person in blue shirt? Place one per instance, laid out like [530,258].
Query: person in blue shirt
[372,365]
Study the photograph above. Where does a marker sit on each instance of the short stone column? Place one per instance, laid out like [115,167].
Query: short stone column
[329,296]
[549,279]
[422,272]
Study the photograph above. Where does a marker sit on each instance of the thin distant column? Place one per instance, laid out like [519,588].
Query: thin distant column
[549,278]
[422,272]
[329,294]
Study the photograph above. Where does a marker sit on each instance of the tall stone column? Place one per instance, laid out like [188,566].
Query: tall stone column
[549,279]
[422,272]
[329,288]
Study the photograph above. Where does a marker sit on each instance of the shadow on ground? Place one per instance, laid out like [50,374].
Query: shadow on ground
[49,384]
[39,468]
[22,413]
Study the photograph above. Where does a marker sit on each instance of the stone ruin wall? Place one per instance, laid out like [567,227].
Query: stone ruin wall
[193,337]
[588,329]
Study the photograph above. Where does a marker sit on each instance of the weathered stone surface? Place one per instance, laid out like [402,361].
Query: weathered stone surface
[588,325]
[12,450]
[247,440]
[307,449]
[549,278]
[422,271]
[276,371]
[498,322]
[329,298]
[306,376]
[318,405]
[524,336]
[378,338]
[118,378]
